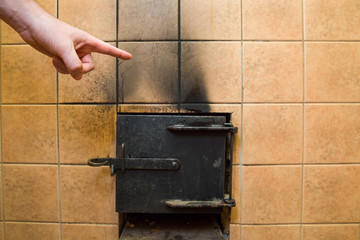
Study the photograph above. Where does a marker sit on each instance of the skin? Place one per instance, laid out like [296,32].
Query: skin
[70,48]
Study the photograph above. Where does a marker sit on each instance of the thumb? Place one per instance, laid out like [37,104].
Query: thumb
[73,64]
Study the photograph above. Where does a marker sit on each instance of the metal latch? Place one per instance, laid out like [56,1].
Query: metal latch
[200,204]
[226,127]
[122,163]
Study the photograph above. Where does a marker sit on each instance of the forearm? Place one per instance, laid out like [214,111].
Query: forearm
[22,15]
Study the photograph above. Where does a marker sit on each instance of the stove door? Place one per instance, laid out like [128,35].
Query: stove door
[196,143]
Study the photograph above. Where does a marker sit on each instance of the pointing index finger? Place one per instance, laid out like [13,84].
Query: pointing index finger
[105,48]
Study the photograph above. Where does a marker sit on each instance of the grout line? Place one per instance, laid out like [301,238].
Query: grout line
[14,44]
[215,40]
[303,122]
[58,156]
[244,224]
[117,60]
[298,224]
[88,103]
[1,148]
[54,104]
[303,40]
[269,103]
[331,103]
[117,91]
[26,44]
[270,224]
[244,40]
[48,164]
[30,163]
[179,55]
[117,82]
[148,40]
[122,90]
[273,103]
[301,103]
[241,164]
[97,224]
[70,223]
[187,103]
[29,104]
[242,114]
[300,164]
[58,138]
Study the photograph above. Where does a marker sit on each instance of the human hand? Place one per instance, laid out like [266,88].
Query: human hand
[69,47]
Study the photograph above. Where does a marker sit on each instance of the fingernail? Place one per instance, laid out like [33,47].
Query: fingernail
[78,76]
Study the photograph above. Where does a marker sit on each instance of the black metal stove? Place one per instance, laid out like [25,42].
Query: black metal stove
[172,163]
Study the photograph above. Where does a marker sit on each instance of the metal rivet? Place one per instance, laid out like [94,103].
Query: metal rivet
[175,164]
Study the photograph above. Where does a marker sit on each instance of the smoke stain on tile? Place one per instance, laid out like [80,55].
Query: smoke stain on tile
[151,76]
[86,131]
[96,86]
[195,90]
[207,78]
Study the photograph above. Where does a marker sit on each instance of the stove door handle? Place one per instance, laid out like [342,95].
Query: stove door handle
[98,162]
[214,128]
[155,164]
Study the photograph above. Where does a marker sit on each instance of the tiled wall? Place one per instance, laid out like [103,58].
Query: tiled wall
[288,70]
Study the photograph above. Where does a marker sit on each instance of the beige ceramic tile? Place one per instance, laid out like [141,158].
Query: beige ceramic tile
[96,86]
[1,200]
[86,131]
[148,20]
[8,35]
[148,108]
[27,76]
[326,232]
[273,19]
[270,232]
[87,195]
[32,231]
[211,20]
[273,72]
[332,74]
[331,194]
[31,192]
[272,134]
[152,74]
[234,109]
[236,190]
[271,194]
[234,232]
[332,19]
[332,133]
[89,232]
[97,18]
[1,231]
[211,72]
[29,134]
